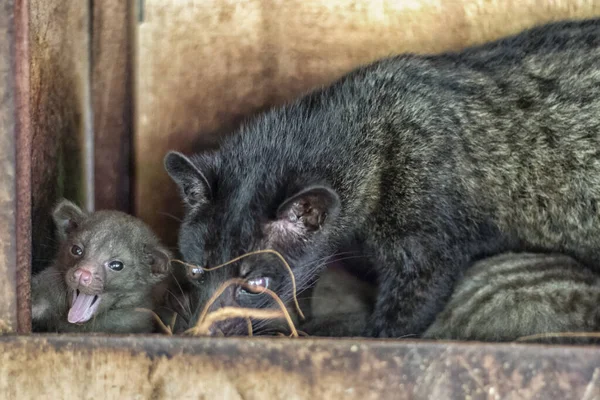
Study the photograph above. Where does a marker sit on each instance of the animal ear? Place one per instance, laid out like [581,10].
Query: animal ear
[67,217]
[193,184]
[308,210]
[159,260]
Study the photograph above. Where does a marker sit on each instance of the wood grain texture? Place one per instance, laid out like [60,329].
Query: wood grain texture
[8,177]
[87,367]
[111,92]
[60,114]
[202,66]
[23,137]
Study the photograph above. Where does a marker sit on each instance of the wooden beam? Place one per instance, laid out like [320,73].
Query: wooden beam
[112,101]
[158,367]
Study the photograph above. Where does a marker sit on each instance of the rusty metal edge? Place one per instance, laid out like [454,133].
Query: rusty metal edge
[23,167]
[8,274]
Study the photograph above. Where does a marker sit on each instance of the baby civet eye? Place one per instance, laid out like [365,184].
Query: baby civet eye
[115,265]
[257,285]
[76,251]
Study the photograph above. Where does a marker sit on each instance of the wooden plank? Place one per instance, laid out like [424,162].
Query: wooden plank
[56,367]
[204,65]
[62,154]
[112,102]
[23,136]
[8,214]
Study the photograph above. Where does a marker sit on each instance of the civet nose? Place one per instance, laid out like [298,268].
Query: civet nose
[83,276]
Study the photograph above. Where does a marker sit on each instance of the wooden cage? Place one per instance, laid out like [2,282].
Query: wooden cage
[92,95]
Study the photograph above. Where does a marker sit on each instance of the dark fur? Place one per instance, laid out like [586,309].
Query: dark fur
[418,165]
[176,308]
[338,305]
[512,295]
[104,236]
[500,298]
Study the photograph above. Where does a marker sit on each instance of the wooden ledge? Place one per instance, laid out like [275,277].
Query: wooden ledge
[156,367]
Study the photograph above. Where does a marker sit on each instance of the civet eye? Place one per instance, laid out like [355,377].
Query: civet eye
[257,285]
[76,251]
[195,272]
[115,265]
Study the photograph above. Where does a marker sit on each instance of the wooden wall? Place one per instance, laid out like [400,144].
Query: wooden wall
[204,65]
[111,59]
[61,116]
[201,67]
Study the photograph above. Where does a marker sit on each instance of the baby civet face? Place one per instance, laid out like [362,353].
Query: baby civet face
[104,256]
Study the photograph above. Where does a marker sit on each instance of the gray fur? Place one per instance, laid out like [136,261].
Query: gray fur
[104,236]
[510,296]
[420,165]
[499,299]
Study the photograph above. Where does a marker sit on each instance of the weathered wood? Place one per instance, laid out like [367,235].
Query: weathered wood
[23,165]
[190,368]
[62,153]
[111,91]
[8,177]
[204,65]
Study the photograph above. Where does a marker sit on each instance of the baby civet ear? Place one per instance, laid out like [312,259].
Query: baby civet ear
[194,186]
[67,217]
[309,210]
[159,260]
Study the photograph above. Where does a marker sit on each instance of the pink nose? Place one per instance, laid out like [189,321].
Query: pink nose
[83,276]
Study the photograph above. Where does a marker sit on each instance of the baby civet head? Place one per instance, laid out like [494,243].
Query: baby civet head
[105,257]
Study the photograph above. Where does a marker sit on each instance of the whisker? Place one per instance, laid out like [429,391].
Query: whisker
[159,321]
[179,302]
[170,215]
[174,318]
[206,319]
[177,282]
[290,291]
[266,251]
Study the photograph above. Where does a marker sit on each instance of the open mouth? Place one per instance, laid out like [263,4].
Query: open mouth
[83,307]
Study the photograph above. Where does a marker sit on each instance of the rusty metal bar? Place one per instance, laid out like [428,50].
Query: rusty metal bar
[8,214]
[23,165]
[252,368]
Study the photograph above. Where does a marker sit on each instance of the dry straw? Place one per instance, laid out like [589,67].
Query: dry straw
[207,319]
